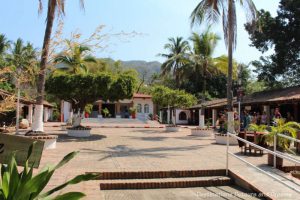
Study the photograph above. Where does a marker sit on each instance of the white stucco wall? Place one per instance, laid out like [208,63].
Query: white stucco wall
[188,115]
[66,110]
[143,102]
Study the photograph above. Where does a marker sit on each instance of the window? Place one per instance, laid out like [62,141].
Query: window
[139,108]
[146,108]
[182,116]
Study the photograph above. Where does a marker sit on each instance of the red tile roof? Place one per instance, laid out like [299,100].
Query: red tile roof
[137,95]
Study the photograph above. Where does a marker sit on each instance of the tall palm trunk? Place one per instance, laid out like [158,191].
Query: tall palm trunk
[38,116]
[204,86]
[230,52]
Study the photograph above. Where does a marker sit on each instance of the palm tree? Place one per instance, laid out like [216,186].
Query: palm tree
[54,7]
[177,58]
[201,56]
[211,11]
[21,59]
[4,45]
[75,58]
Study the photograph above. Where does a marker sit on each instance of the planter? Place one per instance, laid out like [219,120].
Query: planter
[172,128]
[133,116]
[222,139]
[201,132]
[279,161]
[49,140]
[80,132]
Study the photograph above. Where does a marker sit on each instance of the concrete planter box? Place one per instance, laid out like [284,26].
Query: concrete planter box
[172,128]
[200,132]
[222,139]
[49,140]
[79,133]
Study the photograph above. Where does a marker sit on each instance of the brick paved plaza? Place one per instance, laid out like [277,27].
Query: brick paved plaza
[141,149]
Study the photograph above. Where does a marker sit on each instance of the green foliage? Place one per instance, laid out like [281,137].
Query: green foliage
[105,112]
[132,110]
[88,108]
[82,89]
[285,128]
[257,128]
[164,97]
[75,58]
[15,185]
[280,35]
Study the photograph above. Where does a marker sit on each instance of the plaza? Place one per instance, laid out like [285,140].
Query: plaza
[152,149]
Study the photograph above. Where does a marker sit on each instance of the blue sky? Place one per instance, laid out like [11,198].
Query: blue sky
[156,19]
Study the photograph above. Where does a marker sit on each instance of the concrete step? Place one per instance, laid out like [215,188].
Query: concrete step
[160,174]
[156,183]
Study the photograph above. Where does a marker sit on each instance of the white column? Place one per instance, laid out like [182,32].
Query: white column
[214,117]
[230,127]
[168,116]
[45,114]
[267,110]
[30,113]
[201,120]
[160,116]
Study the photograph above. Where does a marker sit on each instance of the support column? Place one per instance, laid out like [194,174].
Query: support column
[230,124]
[214,117]
[201,120]
[267,110]
[168,116]
[296,117]
[45,114]
[160,116]
[30,114]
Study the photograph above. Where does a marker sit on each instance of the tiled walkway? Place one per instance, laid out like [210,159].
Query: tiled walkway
[126,149]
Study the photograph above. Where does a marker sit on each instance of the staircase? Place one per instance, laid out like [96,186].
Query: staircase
[163,179]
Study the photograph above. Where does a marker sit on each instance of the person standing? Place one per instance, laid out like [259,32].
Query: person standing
[263,119]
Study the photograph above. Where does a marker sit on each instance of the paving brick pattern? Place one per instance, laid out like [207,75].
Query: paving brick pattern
[148,149]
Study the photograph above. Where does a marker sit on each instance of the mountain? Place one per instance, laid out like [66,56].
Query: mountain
[142,67]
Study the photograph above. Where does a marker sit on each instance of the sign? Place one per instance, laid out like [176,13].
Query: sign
[19,144]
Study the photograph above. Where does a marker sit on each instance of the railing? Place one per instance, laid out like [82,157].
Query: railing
[274,153]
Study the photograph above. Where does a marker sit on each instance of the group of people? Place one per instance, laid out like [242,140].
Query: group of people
[248,118]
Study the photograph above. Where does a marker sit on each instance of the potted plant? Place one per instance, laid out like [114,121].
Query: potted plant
[132,111]
[88,110]
[105,112]
[221,135]
[282,144]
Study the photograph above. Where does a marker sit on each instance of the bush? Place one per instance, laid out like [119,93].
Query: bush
[15,185]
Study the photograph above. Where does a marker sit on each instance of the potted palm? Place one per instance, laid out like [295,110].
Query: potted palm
[105,112]
[132,111]
[282,144]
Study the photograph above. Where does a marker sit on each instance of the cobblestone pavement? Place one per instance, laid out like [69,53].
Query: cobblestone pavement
[141,149]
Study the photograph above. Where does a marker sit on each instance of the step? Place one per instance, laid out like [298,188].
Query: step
[160,174]
[156,183]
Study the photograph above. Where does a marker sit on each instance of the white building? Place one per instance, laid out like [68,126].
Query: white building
[141,102]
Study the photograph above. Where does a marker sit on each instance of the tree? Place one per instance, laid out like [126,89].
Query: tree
[21,59]
[201,56]
[211,11]
[4,45]
[82,89]
[75,58]
[54,7]
[165,97]
[177,58]
[281,34]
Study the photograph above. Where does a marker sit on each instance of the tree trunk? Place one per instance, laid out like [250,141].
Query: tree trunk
[230,52]
[38,116]
[203,87]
